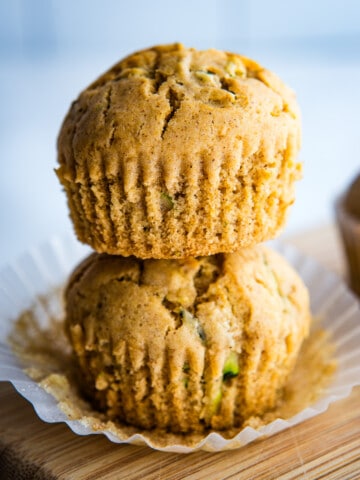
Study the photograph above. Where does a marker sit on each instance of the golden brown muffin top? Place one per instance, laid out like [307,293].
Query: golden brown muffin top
[170,99]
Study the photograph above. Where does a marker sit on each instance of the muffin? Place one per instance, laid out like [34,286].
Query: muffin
[348,218]
[186,345]
[175,153]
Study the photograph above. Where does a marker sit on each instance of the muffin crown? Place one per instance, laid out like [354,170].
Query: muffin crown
[169,94]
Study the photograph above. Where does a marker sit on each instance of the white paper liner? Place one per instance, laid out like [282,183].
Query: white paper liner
[40,270]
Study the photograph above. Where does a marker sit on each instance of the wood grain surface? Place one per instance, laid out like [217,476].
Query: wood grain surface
[327,446]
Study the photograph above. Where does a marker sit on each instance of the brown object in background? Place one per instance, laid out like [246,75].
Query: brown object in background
[348,219]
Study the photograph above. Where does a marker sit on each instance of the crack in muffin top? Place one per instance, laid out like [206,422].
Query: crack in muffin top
[160,83]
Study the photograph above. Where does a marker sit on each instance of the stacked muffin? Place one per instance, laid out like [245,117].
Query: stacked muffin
[177,163]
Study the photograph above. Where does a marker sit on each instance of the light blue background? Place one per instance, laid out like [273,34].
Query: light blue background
[52,49]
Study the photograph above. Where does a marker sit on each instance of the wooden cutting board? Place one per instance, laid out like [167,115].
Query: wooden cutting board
[327,446]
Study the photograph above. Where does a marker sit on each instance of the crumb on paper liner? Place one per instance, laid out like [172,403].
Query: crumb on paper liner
[327,369]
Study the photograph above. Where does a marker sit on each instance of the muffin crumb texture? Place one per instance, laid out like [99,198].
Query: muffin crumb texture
[176,152]
[186,345]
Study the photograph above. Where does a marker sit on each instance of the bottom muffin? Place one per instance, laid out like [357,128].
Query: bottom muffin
[186,345]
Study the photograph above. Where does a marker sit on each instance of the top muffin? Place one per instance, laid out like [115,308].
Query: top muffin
[176,152]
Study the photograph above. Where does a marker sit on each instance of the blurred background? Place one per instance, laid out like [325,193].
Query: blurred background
[51,49]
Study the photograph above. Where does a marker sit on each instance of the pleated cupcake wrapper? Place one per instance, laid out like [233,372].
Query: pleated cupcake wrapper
[41,270]
[349,227]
